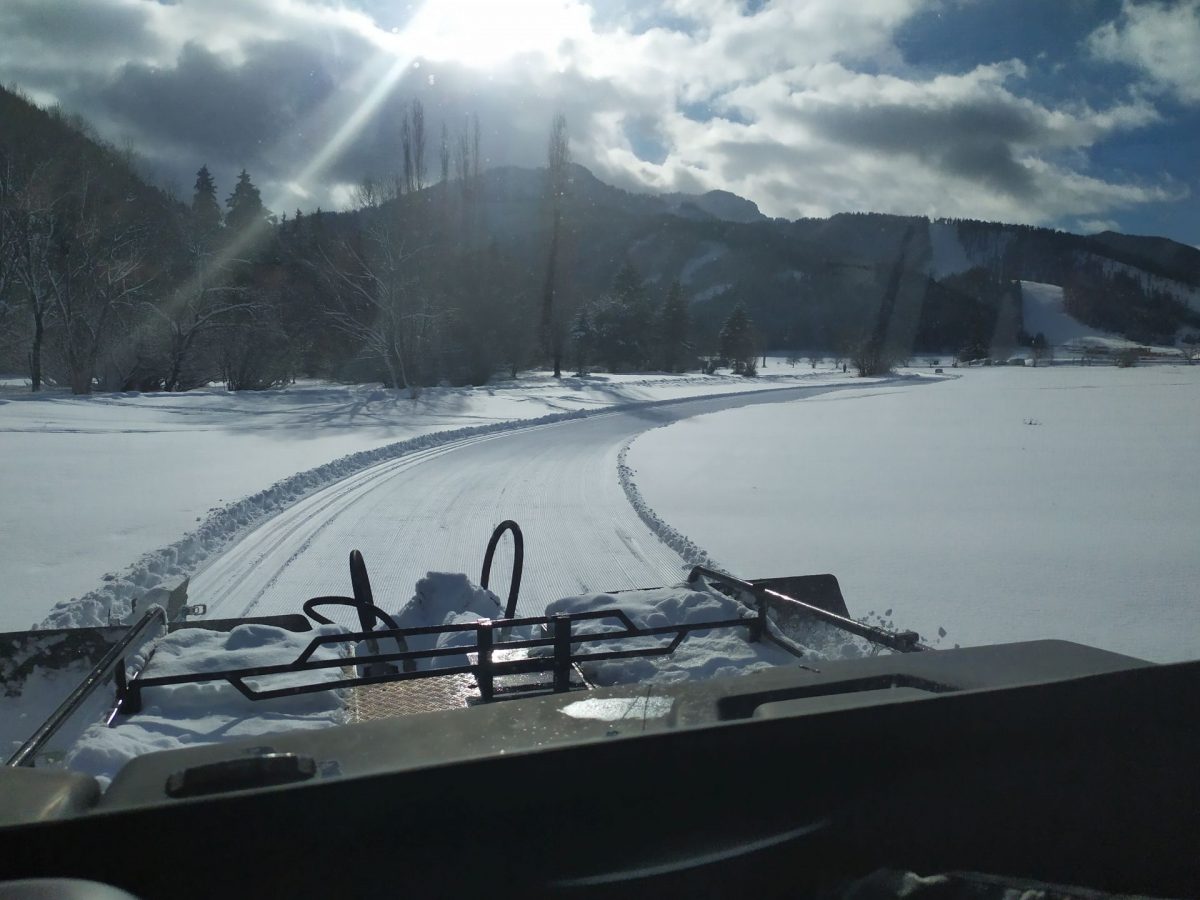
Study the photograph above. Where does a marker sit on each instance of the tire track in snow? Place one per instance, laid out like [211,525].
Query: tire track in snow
[592,556]
[582,531]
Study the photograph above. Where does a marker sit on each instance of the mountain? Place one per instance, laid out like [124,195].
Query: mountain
[809,284]
[817,283]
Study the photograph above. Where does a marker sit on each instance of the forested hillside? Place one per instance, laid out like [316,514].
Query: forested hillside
[443,271]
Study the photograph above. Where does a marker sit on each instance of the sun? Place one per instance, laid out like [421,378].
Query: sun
[488,33]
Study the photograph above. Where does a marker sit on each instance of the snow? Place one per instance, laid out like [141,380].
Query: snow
[184,715]
[41,692]
[188,715]
[1187,294]
[1042,307]
[1006,504]
[133,491]
[703,654]
[446,598]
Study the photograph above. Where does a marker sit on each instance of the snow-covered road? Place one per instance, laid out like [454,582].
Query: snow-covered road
[434,511]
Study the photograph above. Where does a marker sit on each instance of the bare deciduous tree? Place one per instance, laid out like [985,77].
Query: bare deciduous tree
[418,144]
[373,302]
[558,167]
[32,225]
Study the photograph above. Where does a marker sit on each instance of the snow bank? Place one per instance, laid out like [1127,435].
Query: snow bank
[185,715]
[691,554]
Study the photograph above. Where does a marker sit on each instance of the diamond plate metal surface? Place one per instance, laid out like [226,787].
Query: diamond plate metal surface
[404,698]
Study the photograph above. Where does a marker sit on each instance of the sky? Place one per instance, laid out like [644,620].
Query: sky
[1082,115]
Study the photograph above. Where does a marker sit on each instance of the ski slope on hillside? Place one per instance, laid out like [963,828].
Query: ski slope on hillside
[434,511]
[1045,313]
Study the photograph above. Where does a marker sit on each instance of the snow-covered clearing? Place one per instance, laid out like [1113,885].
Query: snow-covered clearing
[1044,312]
[1007,504]
[90,485]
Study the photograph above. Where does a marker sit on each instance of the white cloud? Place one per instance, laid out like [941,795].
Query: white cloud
[808,106]
[1160,39]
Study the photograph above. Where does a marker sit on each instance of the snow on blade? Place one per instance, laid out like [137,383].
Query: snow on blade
[703,654]
[189,715]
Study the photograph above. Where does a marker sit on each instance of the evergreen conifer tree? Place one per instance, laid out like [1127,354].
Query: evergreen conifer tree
[245,205]
[737,341]
[674,323]
[206,211]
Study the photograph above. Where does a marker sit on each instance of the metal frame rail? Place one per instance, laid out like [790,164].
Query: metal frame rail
[901,641]
[111,664]
[564,643]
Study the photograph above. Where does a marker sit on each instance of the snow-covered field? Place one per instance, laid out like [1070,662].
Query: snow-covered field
[998,504]
[1006,504]
[90,485]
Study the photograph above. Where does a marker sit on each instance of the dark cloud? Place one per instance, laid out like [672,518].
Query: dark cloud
[218,110]
[69,29]
[277,111]
[763,156]
[976,140]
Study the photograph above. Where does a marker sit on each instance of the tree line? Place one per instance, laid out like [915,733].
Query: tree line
[109,284]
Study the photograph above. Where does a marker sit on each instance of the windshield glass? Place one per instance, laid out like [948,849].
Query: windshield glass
[903,292]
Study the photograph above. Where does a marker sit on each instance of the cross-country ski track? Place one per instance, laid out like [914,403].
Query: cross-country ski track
[433,510]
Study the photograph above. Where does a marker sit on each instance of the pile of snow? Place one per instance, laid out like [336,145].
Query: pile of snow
[184,715]
[446,598]
[703,654]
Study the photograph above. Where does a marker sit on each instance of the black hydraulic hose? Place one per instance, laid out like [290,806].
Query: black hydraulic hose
[361,583]
[100,672]
[514,587]
[310,610]
[363,602]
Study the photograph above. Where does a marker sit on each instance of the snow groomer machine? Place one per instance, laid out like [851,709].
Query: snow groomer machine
[485,754]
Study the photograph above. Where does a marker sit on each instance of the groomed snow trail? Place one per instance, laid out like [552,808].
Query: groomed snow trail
[434,511]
